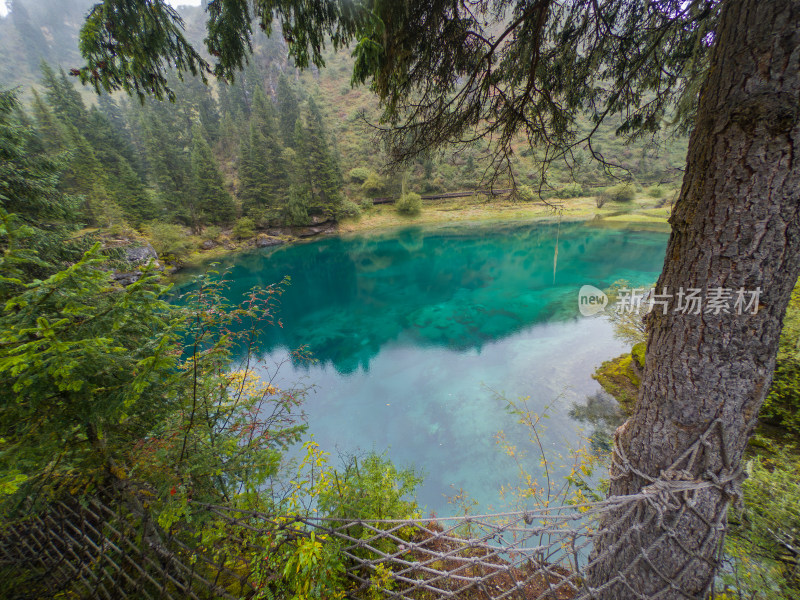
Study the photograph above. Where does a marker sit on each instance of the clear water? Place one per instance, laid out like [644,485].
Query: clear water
[419,332]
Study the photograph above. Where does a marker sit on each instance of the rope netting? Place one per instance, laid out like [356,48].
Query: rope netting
[107,546]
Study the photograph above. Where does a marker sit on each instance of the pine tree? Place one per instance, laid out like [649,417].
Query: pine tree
[214,203]
[254,172]
[167,149]
[29,188]
[64,99]
[122,183]
[314,159]
[263,172]
[116,117]
[324,164]
[288,110]
[51,133]
[300,200]
[97,170]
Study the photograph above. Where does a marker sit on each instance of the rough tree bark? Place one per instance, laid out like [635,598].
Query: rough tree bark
[736,225]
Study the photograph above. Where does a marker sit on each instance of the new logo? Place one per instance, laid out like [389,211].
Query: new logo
[591,300]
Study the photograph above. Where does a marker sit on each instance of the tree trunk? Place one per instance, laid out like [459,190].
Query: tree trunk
[736,225]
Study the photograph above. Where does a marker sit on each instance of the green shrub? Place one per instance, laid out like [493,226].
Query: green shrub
[212,232]
[371,488]
[349,210]
[359,174]
[168,240]
[244,228]
[409,204]
[366,204]
[262,217]
[622,192]
[526,194]
[764,531]
[571,190]
[373,185]
[782,405]
[656,191]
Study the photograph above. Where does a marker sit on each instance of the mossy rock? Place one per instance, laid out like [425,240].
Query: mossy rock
[619,377]
[638,352]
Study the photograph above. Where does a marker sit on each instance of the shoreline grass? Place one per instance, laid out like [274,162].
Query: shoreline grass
[641,214]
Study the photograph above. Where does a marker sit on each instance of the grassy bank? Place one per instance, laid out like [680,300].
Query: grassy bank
[641,213]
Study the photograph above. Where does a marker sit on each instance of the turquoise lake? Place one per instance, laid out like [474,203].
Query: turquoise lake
[418,333]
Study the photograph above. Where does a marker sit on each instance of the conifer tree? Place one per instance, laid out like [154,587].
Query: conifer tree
[253,170]
[313,158]
[121,125]
[83,174]
[233,102]
[300,199]
[323,164]
[64,99]
[97,169]
[122,183]
[288,110]
[29,188]
[166,147]
[263,172]
[51,132]
[214,204]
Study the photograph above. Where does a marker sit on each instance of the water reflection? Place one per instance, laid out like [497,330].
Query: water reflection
[455,288]
[604,414]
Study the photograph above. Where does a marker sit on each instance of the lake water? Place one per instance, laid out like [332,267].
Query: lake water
[419,333]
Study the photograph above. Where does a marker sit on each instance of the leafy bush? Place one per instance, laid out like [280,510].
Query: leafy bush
[409,204]
[656,191]
[782,405]
[349,210]
[244,228]
[372,488]
[262,216]
[366,204]
[622,192]
[311,568]
[764,532]
[212,232]
[526,193]
[571,190]
[169,241]
[373,185]
[359,174]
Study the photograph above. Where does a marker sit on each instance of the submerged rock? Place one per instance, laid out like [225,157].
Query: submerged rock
[304,232]
[265,241]
[319,219]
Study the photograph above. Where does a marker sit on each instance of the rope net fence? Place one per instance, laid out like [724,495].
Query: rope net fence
[101,548]
[663,542]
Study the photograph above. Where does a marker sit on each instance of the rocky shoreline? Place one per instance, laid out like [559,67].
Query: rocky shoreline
[136,251]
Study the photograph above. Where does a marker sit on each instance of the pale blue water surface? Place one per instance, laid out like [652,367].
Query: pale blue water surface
[417,331]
